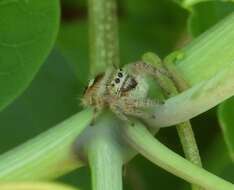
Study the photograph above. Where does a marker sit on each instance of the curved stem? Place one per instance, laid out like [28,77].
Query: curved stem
[143,141]
[209,74]
[173,86]
[40,157]
[185,130]
[189,145]
[104,47]
[196,100]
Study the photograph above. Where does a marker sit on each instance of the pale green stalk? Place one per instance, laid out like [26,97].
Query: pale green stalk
[144,142]
[207,66]
[196,100]
[49,155]
[172,85]
[104,154]
[103,38]
[34,186]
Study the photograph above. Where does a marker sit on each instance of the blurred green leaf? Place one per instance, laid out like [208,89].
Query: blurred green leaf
[73,44]
[206,14]
[156,35]
[217,160]
[27,32]
[226,120]
[155,26]
[51,98]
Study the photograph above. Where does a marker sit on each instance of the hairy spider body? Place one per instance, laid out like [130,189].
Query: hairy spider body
[124,91]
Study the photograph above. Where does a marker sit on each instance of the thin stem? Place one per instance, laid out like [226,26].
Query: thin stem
[188,142]
[104,48]
[173,86]
[189,145]
[40,157]
[143,141]
[184,129]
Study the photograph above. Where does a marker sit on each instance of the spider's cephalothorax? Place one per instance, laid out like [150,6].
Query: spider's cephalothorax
[124,91]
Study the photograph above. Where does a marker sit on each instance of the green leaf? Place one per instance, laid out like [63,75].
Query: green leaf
[162,22]
[50,98]
[226,120]
[27,32]
[73,44]
[200,20]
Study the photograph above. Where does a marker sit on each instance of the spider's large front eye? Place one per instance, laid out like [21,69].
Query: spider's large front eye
[117,80]
[120,74]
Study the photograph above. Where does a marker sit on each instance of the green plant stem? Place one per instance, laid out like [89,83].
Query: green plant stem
[208,73]
[49,155]
[103,155]
[106,165]
[101,147]
[208,54]
[188,142]
[103,30]
[184,129]
[172,86]
[189,145]
[34,186]
[143,141]
[196,100]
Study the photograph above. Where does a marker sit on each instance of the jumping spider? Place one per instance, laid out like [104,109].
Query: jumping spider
[124,91]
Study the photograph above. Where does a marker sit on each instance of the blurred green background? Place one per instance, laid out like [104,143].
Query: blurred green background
[160,26]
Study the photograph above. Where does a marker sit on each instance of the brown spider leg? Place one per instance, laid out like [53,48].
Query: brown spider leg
[159,73]
[119,112]
[134,107]
[113,103]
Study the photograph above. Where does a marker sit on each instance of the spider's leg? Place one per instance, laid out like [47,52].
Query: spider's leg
[115,107]
[119,112]
[161,74]
[136,107]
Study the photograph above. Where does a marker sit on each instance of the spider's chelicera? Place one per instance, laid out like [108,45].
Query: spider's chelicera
[124,91]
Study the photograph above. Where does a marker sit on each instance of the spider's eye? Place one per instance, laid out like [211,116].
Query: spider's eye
[112,84]
[117,80]
[120,74]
